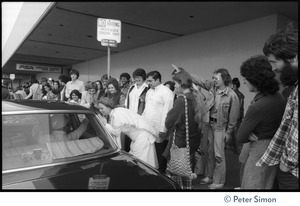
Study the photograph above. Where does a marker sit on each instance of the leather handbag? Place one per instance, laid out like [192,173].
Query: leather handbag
[179,163]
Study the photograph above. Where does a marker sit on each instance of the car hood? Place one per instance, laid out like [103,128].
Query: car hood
[119,171]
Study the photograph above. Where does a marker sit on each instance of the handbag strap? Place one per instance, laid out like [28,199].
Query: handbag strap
[186,126]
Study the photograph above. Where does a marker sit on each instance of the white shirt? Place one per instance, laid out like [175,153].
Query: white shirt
[123,120]
[33,91]
[140,131]
[77,84]
[134,96]
[22,92]
[158,103]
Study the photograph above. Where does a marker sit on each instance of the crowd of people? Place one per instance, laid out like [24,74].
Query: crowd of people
[145,115]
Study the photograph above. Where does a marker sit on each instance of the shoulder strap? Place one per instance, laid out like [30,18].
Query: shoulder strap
[186,124]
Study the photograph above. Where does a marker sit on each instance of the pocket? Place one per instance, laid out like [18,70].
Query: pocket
[225,110]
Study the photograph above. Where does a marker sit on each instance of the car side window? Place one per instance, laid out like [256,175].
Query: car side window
[20,136]
[17,130]
[40,139]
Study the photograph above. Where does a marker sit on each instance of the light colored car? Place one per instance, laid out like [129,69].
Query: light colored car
[54,145]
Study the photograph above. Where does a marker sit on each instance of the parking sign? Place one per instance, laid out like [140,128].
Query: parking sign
[109,29]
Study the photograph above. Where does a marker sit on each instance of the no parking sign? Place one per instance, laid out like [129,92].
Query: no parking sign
[108,31]
[109,34]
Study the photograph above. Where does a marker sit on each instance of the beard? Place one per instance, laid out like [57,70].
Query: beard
[289,75]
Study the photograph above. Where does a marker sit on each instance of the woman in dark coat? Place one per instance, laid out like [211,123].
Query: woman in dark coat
[114,92]
[176,118]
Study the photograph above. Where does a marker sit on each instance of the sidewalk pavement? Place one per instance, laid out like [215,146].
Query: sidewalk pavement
[232,174]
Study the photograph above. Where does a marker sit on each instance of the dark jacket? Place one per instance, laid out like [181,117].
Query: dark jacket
[176,119]
[262,118]
[115,97]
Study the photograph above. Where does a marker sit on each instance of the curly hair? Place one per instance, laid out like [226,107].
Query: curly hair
[283,44]
[64,78]
[288,75]
[258,71]
[76,92]
[126,75]
[236,82]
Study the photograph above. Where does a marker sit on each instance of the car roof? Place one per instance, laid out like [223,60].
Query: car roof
[25,105]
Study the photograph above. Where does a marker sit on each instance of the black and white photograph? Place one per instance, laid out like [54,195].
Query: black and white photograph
[182,98]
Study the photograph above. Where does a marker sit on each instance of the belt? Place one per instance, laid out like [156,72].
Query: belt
[212,119]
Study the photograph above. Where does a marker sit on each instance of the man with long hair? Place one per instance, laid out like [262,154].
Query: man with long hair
[282,51]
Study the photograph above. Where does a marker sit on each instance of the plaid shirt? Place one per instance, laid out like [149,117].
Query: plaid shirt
[284,145]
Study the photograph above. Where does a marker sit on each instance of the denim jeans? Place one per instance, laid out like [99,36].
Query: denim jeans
[210,158]
[258,177]
[216,164]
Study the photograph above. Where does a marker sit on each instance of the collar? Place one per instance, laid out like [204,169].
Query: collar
[143,85]
[224,91]
[257,97]
[158,87]
[74,81]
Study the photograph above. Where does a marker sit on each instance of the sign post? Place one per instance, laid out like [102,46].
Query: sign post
[108,62]
[12,77]
[109,34]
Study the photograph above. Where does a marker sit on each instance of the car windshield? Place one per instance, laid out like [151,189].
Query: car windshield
[39,139]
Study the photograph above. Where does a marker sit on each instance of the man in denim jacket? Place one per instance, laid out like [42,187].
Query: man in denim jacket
[224,111]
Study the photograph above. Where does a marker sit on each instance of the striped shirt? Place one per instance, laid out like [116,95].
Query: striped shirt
[284,145]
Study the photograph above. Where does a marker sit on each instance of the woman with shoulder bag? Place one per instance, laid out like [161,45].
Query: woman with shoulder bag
[186,128]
